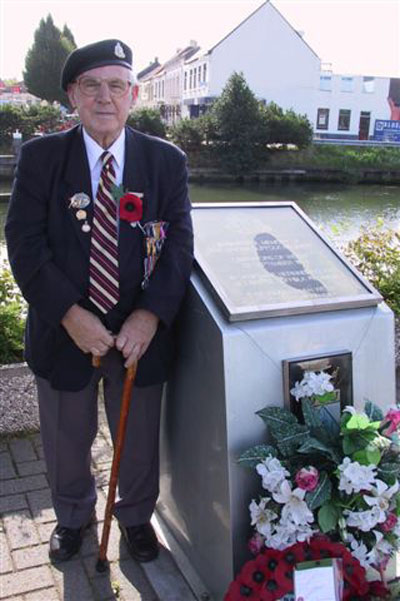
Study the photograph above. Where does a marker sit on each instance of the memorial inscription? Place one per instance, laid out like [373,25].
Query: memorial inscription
[268,258]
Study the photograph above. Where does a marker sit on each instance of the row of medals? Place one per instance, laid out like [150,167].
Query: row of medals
[80,201]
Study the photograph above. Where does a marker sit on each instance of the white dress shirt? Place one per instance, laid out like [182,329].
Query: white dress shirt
[94,152]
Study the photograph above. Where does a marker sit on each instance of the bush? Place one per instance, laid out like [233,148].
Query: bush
[12,318]
[31,119]
[376,253]
[187,134]
[148,121]
[279,127]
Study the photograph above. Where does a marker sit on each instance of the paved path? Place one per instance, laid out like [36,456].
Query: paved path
[28,519]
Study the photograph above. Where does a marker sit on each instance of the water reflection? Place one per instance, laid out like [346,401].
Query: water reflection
[338,210]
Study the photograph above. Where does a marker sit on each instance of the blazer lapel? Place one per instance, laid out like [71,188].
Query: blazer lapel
[77,179]
[134,180]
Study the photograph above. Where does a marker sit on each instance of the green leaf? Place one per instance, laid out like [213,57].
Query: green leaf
[330,425]
[324,399]
[367,456]
[275,416]
[310,414]
[389,472]
[373,412]
[290,437]
[255,455]
[357,440]
[328,517]
[321,494]
[314,445]
[358,422]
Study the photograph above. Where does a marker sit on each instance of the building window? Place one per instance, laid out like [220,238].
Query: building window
[323,119]
[347,84]
[325,82]
[368,85]
[185,81]
[204,72]
[344,120]
[199,74]
[162,89]
[194,77]
[190,79]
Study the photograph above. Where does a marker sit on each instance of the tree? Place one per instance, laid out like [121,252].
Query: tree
[238,121]
[148,121]
[45,59]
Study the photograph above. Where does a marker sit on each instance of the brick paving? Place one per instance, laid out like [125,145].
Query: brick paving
[27,519]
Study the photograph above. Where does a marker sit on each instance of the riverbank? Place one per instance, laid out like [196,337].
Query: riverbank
[317,163]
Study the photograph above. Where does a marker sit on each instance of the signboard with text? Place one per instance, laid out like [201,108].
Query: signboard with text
[387,130]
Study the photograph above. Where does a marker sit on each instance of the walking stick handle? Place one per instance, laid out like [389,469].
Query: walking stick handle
[96,360]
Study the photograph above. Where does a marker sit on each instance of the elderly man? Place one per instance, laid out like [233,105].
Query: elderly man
[100,242]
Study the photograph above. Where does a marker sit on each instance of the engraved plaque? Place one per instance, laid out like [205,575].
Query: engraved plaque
[266,259]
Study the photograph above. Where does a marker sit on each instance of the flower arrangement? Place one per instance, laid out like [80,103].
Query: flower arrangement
[330,481]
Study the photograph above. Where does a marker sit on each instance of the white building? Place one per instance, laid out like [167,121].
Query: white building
[349,105]
[162,87]
[276,62]
[278,66]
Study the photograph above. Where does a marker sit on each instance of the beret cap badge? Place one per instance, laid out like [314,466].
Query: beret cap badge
[119,51]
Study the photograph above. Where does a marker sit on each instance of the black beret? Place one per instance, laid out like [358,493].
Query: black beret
[106,52]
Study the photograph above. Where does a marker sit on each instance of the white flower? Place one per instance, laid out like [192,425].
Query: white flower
[312,384]
[272,472]
[382,549]
[261,517]
[360,551]
[363,520]
[294,506]
[381,495]
[282,537]
[303,533]
[353,411]
[355,477]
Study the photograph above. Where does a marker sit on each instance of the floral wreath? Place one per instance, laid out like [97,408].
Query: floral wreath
[330,489]
[270,575]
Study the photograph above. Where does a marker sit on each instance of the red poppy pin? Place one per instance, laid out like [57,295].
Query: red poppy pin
[130,205]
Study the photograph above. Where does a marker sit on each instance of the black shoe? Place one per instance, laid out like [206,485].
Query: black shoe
[141,540]
[65,542]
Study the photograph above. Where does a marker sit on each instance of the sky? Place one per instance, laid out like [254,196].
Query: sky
[355,36]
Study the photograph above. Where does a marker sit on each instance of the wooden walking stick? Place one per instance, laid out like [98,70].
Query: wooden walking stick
[102,563]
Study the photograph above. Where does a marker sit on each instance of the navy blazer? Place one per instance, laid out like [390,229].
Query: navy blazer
[49,251]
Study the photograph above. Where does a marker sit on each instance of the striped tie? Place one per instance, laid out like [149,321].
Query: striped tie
[104,276]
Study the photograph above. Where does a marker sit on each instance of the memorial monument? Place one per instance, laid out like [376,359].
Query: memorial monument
[268,294]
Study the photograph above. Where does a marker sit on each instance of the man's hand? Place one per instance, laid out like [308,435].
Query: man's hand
[87,331]
[136,334]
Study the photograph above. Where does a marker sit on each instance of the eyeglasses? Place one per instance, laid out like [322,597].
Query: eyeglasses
[90,86]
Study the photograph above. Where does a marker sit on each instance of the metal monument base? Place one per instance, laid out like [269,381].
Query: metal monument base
[226,372]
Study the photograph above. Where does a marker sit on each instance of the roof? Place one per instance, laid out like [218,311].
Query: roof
[252,15]
[154,65]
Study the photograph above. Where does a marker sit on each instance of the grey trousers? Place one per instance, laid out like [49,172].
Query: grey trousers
[68,423]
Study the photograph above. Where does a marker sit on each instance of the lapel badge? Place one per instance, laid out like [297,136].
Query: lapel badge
[80,200]
[119,51]
[86,227]
[81,215]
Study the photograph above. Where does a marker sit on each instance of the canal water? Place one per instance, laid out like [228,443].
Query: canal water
[338,210]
